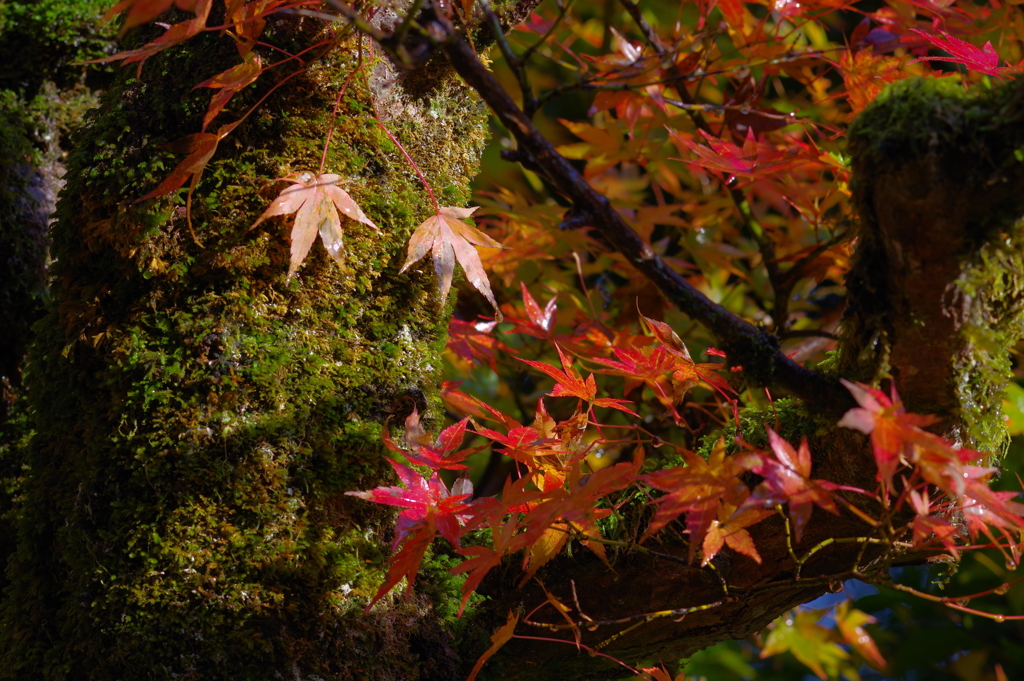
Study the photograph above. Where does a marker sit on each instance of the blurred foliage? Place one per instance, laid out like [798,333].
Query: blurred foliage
[41,40]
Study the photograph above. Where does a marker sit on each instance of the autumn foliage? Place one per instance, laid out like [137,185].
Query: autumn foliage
[718,138]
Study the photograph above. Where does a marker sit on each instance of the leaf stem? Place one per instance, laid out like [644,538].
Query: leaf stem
[415,167]
[337,103]
[591,651]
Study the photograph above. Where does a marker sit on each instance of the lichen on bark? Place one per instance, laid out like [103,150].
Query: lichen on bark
[199,418]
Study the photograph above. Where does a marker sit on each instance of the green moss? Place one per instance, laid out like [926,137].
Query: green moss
[786,416]
[39,39]
[994,280]
[973,136]
[894,125]
[200,419]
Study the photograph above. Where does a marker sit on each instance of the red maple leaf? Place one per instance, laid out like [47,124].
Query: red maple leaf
[468,405]
[787,480]
[639,365]
[474,341]
[890,427]
[523,444]
[981,59]
[430,509]
[753,159]
[422,497]
[687,373]
[698,488]
[426,451]
[929,527]
[539,323]
[569,383]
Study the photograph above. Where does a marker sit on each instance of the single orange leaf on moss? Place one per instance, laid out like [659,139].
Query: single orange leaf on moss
[200,148]
[229,83]
[447,238]
[499,638]
[315,200]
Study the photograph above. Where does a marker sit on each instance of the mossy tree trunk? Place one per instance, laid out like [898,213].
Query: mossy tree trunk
[42,100]
[198,418]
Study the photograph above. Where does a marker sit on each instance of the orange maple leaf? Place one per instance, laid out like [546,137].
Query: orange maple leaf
[698,488]
[200,148]
[729,530]
[143,11]
[315,200]
[448,239]
[893,431]
[851,623]
[499,638]
[229,83]
[687,373]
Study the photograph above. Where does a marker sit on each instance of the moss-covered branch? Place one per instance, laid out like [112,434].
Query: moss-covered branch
[936,291]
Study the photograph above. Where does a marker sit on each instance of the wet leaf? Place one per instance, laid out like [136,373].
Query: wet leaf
[447,238]
[315,200]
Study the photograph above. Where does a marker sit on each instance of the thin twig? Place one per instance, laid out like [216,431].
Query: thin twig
[514,62]
[745,344]
[751,225]
[357,20]
[337,104]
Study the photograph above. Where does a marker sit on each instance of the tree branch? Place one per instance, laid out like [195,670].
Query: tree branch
[745,344]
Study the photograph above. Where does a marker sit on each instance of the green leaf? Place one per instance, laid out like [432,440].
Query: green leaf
[814,645]
[1013,408]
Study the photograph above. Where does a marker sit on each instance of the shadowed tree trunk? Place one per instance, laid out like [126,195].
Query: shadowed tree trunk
[198,418]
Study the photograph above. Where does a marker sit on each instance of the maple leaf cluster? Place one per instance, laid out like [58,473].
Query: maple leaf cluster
[557,500]
[561,493]
[940,482]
